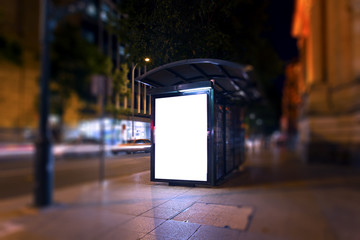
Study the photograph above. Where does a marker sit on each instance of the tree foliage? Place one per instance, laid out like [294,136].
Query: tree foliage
[10,49]
[120,84]
[167,31]
[121,81]
[73,62]
[234,30]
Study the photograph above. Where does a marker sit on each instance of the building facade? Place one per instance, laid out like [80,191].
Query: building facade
[19,83]
[291,101]
[328,38]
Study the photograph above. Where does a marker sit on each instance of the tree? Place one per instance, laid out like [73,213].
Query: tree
[73,62]
[170,30]
[233,30]
[10,49]
[120,84]
[120,91]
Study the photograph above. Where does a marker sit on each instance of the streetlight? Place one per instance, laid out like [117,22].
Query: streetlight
[132,95]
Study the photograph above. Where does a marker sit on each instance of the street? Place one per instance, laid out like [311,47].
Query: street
[16,176]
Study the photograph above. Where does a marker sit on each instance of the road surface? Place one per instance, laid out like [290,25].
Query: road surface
[17,178]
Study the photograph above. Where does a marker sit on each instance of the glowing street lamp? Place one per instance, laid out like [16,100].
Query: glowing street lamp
[133,93]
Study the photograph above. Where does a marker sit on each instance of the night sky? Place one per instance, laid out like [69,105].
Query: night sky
[280,20]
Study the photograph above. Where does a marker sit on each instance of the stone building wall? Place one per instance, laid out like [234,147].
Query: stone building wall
[20,83]
[328,34]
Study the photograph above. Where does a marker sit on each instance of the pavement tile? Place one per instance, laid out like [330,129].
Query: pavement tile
[122,234]
[177,204]
[144,192]
[44,217]
[135,208]
[291,215]
[257,236]
[166,192]
[215,233]
[195,194]
[217,215]
[72,223]
[225,198]
[175,230]
[154,237]
[76,194]
[142,224]
[25,235]
[161,212]
[158,237]
[9,228]
[344,219]
[13,213]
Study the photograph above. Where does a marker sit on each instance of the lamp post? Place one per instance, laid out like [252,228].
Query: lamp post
[133,66]
[132,98]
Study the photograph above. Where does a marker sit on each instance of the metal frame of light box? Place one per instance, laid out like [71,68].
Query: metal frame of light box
[185,90]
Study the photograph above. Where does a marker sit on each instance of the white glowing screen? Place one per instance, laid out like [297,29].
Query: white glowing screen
[181,138]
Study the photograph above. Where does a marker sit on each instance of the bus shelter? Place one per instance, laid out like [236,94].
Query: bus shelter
[196,119]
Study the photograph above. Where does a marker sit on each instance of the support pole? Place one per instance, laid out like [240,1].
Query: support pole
[132,99]
[139,97]
[44,162]
[102,88]
[144,99]
[150,103]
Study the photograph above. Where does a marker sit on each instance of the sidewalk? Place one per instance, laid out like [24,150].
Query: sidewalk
[275,197]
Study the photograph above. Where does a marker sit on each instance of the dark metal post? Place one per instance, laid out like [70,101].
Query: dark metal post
[132,99]
[44,163]
[102,130]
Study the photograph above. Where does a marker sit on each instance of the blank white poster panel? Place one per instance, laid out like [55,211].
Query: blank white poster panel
[181,138]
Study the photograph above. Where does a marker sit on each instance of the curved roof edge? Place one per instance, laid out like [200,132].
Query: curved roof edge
[231,79]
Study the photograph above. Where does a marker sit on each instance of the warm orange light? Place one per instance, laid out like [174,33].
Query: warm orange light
[301,19]
[147,59]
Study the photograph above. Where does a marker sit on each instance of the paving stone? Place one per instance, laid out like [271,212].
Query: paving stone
[134,208]
[217,215]
[215,233]
[122,234]
[175,230]
[158,237]
[142,224]
[8,228]
[177,204]
[161,212]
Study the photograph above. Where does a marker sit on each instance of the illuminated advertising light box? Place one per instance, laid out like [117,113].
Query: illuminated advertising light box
[180,126]
[196,135]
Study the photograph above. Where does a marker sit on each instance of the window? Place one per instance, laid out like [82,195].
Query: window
[91,10]
[105,10]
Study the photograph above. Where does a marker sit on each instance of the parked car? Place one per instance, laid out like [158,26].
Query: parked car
[137,145]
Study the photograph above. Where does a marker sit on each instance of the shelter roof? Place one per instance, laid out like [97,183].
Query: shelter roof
[233,80]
